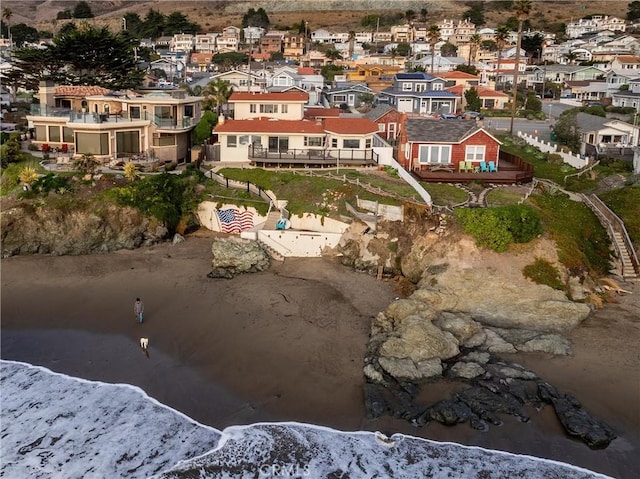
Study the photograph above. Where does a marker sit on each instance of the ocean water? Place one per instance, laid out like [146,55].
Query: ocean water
[56,426]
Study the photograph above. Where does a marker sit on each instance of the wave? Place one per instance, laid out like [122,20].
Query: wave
[54,425]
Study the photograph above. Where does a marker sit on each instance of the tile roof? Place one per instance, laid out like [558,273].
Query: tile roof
[267,125]
[350,126]
[275,96]
[458,74]
[321,112]
[74,90]
[628,59]
[306,71]
[427,130]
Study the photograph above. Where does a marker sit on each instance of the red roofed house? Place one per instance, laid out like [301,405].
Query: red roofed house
[288,105]
[426,143]
[455,78]
[490,99]
[270,129]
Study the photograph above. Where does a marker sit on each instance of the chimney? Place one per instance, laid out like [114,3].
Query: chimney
[46,92]
[221,120]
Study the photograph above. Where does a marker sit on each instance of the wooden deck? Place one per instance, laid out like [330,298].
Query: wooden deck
[511,170]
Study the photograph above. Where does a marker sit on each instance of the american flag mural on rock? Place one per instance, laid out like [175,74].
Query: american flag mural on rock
[235,221]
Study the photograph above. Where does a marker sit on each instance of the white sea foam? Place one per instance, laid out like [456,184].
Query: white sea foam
[58,426]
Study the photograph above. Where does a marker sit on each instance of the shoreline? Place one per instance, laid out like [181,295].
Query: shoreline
[284,345]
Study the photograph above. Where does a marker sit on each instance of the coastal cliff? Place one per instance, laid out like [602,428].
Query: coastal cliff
[32,229]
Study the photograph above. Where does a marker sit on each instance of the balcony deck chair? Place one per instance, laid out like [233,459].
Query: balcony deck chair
[462,167]
[492,166]
[483,167]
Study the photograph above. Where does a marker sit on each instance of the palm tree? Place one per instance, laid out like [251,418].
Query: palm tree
[352,39]
[217,95]
[423,14]
[433,37]
[7,14]
[501,36]
[571,57]
[474,44]
[522,9]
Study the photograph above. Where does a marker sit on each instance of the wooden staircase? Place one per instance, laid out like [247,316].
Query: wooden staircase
[628,261]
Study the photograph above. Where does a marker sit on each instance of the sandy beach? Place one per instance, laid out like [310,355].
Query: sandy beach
[286,344]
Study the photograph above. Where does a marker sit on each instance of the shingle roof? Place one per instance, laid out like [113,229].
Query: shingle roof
[275,96]
[350,126]
[427,130]
[378,111]
[587,122]
[266,125]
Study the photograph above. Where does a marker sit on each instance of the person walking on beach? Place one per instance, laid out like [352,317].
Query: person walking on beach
[138,309]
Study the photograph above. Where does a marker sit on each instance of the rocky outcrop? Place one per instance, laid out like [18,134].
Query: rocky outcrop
[33,229]
[233,256]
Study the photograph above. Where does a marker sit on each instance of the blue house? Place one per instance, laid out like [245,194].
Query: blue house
[418,93]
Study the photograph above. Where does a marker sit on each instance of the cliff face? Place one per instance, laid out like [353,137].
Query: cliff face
[29,229]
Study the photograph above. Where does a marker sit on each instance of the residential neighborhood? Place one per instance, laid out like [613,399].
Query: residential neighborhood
[277,83]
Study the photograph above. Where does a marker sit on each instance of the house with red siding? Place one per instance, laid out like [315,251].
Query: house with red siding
[388,120]
[427,143]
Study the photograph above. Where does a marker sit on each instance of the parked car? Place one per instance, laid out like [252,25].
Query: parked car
[472,115]
[449,116]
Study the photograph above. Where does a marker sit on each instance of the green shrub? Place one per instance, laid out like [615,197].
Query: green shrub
[543,272]
[496,228]
[51,182]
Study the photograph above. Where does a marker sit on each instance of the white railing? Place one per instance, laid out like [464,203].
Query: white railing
[572,159]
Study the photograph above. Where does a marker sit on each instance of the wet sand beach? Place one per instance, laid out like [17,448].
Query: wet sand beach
[285,345]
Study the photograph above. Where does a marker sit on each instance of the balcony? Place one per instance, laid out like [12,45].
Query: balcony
[312,158]
[173,124]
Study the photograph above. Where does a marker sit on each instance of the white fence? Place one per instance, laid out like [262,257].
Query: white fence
[388,212]
[572,159]
[306,244]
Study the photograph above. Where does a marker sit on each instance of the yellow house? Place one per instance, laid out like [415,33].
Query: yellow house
[108,125]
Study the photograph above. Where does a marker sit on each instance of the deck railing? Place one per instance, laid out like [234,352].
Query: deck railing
[320,155]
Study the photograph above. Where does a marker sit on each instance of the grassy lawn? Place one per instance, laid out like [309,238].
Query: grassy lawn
[558,171]
[504,195]
[314,194]
[625,202]
[581,239]
[443,194]
[9,179]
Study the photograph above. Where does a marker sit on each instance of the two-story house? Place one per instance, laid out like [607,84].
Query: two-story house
[629,97]
[96,121]
[271,129]
[418,93]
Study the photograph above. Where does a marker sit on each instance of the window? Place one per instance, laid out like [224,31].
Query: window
[285,108]
[134,112]
[188,111]
[54,134]
[243,140]
[313,141]
[421,87]
[94,143]
[382,127]
[339,98]
[350,143]
[367,143]
[334,143]
[437,87]
[67,135]
[127,142]
[253,108]
[474,153]
[165,139]
[407,87]
[435,154]
[232,141]
[268,108]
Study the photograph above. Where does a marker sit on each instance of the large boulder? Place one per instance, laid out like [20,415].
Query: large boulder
[233,256]
[504,302]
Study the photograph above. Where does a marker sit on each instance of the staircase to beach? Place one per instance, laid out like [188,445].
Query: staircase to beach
[272,219]
[628,261]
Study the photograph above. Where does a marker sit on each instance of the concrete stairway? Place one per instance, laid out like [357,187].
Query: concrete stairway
[272,219]
[273,254]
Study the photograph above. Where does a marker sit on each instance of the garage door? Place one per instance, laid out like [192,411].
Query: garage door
[405,105]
